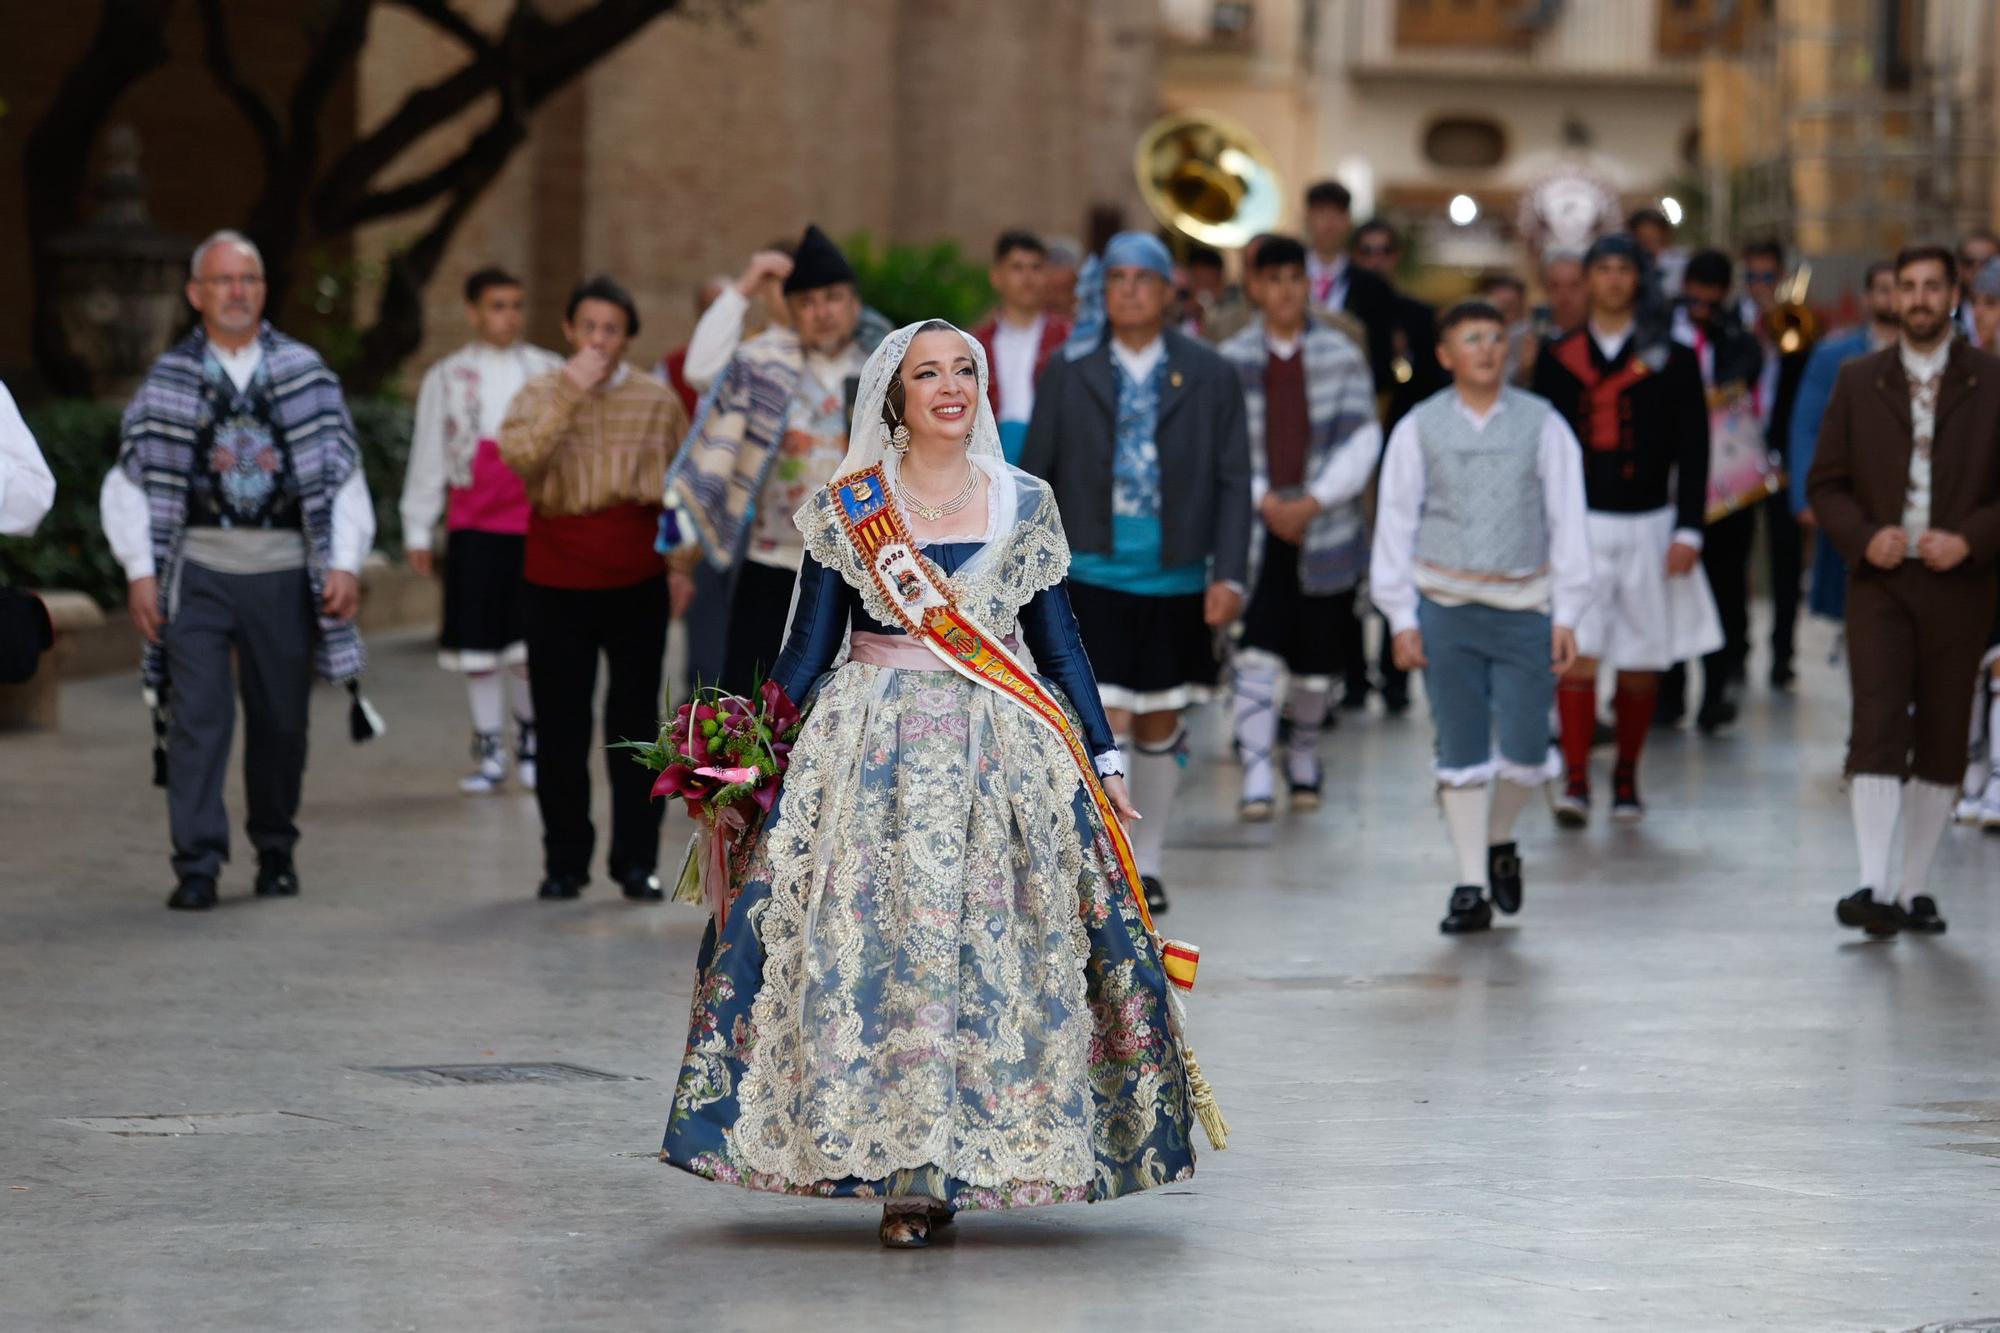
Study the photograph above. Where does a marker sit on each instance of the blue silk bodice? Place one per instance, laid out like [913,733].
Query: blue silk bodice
[828,607]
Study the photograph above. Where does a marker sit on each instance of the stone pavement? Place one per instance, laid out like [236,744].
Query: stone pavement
[1671,1095]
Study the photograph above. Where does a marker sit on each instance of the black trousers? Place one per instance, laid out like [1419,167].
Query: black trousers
[568,630]
[1786,554]
[1350,628]
[757,612]
[1725,560]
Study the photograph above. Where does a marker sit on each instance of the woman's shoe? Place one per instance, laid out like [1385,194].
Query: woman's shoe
[1156,893]
[905,1231]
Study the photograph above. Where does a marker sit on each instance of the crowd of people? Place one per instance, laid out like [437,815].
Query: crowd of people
[1550,506]
[1001,566]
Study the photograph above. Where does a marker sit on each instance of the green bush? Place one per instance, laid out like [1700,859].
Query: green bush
[80,440]
[912,282]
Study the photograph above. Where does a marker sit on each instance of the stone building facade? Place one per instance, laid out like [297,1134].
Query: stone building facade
[714,131]
[705,138]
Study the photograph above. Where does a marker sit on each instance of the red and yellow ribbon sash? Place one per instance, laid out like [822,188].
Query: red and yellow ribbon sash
[923,603]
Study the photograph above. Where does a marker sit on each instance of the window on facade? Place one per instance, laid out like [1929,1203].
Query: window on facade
[1487,23]
[1690,27]
[1466,143]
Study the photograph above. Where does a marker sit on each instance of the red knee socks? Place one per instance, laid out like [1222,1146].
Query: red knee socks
[1576,709]
[1633,709]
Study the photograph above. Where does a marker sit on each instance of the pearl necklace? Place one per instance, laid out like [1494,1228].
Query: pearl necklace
[932,513]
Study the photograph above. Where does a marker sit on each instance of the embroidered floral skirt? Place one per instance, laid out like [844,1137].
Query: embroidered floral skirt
[929,983]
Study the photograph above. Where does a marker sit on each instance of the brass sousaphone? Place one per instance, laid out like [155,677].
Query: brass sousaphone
[1208,180]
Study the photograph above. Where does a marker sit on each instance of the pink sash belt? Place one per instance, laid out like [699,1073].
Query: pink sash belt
[900,652]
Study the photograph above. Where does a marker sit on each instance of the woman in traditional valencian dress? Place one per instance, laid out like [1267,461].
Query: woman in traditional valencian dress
[933,983]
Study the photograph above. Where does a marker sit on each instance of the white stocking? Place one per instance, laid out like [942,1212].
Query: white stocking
[1257,722]
[1156,773]
[1877,801]
[518,695]
[1465,818]
[1307,705]
[483,691]
[1509,799]
[1926,807]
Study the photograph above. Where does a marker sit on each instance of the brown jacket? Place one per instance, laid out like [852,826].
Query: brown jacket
[1861,473]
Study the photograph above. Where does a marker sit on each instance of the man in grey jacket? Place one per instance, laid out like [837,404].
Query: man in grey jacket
[1141,432]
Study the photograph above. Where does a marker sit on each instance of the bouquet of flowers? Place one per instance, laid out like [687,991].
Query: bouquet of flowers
[723,757]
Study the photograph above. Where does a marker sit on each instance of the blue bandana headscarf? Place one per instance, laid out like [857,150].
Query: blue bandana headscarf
[1128,249]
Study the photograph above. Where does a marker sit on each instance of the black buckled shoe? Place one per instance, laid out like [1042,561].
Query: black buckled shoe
[195,893]
[1469,911]
[276,878]
[1503,876]
[640,886]
[1859,911]
[1921,916]
[1156,893]
[562,887]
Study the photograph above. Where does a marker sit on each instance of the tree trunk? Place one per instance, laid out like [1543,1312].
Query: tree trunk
[130,43]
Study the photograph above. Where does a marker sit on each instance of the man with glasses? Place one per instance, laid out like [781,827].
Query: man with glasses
[240,514]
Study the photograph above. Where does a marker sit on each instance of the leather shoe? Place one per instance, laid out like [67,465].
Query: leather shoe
[562,886]
[1156,894]
[276,878]
[1503,876]
[195,893]
[1860,911]
[1922,916]
[641,886]
[1469,911]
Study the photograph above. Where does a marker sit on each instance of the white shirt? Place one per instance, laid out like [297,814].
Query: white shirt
[1609,343]
[1395,578]
[1921,366]
[1014,349]
[714,338]
[448,427]
[1328,279]
[27,487]
[128,524]
[1139,364]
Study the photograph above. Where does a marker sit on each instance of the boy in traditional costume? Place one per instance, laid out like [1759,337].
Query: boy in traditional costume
[1633,397]
[1481,564]
[1310,406]
[455,470]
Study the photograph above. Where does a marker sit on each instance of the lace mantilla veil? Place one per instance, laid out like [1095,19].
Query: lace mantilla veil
[865,445]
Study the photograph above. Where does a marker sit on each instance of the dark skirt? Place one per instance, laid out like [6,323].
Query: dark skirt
[483,628]
[1150,654]
[1301,630]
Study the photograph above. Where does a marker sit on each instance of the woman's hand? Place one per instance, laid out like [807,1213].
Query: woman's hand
[1121,799]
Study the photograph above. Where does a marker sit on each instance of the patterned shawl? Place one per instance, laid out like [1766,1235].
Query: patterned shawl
[156,452]
[1340,399]
[714,482]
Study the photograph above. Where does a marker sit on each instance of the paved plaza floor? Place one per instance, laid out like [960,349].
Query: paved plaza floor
[1671,1095]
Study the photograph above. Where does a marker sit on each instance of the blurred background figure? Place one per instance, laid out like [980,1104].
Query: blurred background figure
[1978,245]
[1202,282]
[673,366]
[1021,335]
[1786,330]
[1064,258]
[1339,284]
[1506,293]
[27,487]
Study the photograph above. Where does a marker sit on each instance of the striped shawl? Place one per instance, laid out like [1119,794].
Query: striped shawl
[156,451]
[1340,399]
